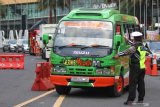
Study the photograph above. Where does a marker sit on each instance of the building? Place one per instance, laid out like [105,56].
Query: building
[25,12]
[22,14]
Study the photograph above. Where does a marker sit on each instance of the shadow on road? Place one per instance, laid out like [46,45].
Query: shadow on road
[93,93]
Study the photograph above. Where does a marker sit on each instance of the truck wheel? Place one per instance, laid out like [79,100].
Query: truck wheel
[117,89]
[43,54]
[63,89]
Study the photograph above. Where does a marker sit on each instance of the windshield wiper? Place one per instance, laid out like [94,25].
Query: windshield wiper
[91,46]
[70,45]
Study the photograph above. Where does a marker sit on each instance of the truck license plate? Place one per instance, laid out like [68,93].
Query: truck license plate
[80,79]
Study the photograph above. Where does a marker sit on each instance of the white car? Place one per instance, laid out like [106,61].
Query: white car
[12,45]
[22,45]
[6,45]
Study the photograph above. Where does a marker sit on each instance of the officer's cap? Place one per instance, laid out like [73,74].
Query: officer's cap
[136,34]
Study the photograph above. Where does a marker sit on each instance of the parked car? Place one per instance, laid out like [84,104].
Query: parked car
[22,45]
[5,46]
[155,48]
[12,45]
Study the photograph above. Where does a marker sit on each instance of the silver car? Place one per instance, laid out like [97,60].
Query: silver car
[12,45]
[23,46]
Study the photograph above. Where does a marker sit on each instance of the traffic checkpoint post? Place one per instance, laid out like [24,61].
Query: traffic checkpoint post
[11,61]
[42,81]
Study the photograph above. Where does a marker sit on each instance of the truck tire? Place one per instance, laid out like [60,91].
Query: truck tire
[43,54]
[47,59]
[63,89]
[118,87]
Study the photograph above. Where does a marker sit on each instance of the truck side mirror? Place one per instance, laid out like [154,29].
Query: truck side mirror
[117,39]
[45,39]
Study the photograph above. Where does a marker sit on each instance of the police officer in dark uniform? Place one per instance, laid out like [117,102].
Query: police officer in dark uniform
[137,54]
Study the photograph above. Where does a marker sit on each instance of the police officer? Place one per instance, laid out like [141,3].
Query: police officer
[137,54]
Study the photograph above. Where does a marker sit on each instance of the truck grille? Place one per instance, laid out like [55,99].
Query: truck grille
[80,71]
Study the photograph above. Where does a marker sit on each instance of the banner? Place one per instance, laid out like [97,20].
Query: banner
[153,35]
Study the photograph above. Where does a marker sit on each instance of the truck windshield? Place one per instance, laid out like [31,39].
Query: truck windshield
[87,38]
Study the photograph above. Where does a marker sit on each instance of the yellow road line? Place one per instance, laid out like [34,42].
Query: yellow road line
[34,99]
[59,101]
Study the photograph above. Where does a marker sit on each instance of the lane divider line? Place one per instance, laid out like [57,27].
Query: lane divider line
[59,101]
[34,99]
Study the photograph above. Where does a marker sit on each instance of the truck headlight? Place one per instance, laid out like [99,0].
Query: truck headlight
[99,71]
[62,70]
[96,63]
[103,71]
[59,70]
[107,72]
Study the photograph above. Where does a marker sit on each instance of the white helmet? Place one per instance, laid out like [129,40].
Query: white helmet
[136,34]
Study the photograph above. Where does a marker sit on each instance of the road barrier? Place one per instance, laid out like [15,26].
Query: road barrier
[148,65]
[154,71]
[42,81]
[11,61]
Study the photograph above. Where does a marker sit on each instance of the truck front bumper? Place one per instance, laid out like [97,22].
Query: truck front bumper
[93,81]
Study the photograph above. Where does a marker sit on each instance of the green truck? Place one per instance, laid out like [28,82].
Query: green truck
[86,40]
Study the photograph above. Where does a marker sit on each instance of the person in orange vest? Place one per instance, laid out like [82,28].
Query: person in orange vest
[137,54]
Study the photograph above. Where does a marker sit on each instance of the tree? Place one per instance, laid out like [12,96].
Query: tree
[53,4]
[2,10]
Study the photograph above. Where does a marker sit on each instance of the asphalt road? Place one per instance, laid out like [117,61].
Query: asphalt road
[15,90]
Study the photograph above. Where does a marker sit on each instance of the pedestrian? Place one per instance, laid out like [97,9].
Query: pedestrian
[137,54]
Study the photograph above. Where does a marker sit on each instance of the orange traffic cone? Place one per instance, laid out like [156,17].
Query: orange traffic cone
[154,71]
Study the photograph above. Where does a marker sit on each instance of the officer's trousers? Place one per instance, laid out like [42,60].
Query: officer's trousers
[136,78]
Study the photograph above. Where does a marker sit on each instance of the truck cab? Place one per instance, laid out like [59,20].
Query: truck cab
[47,29]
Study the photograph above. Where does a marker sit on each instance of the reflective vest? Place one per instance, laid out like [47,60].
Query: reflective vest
[139,56]
[142,51]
